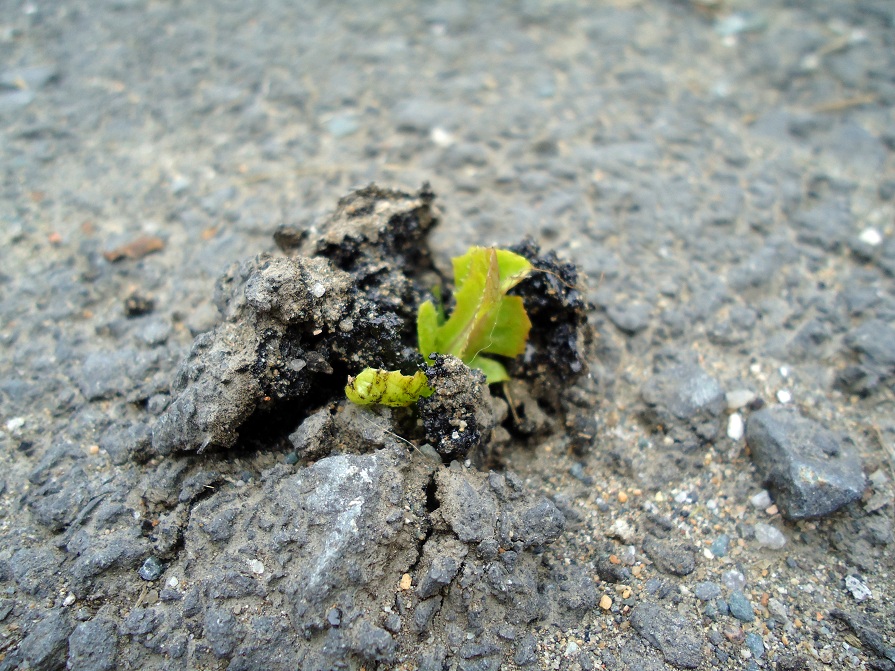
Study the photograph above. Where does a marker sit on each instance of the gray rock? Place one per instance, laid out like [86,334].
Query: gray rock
[874,341]
[108,374]
[827,225]
[30,77]
[495,508]
[686,401]
[443,559]
[222,631]
[630,318]
[142,621]
[810,471]
[755,644]
[669,556]
[672,634]
[44,647]
[740,606]
[313,438]
[93,646]
[706,591]
[287,321]
[151,569]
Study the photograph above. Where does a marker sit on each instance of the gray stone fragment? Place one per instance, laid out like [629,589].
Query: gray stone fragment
[686,402]
[740,606]
[313,438]
[439,575]
[671,633]
[93,646]
[706,591]
[372,643]
[142,621]
[495,508]
[630,318]
[874,341]
[669,556]
[222,631]
[44,646]
[809,470]
[107,374]
[151,569]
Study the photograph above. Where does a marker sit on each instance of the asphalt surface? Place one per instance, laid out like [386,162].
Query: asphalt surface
[721,173]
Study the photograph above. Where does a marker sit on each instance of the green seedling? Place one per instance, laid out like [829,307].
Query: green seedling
[484,321]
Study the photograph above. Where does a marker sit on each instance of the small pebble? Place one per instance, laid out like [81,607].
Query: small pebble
[622,530]
[441,137]
[256,566]
[740,607]
[406,582]
[622,497]
[571,649]
[783,396]
[318,290]
[871,236]
[761,500]
[172,582]
[735,426]
[769,536]
[15,424]
[151,569]
[69,600]
[706,591]
[733,580]
[720,545]
[858,588]
[605,602]
[739,398]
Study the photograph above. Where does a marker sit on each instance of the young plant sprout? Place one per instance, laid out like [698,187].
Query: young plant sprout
[484,321]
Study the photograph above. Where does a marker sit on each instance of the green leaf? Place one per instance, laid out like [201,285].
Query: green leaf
[509,328]
[513,269]
[474,300]
[493,370]
[427,328]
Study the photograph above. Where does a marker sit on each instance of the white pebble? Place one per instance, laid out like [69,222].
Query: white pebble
[622,530]
[172,582]
[441,137]
[858,589]
[735,426]
[69,600]
[784,396]
[571,648]
[256,566]
[871,236]
[761,500]
[15,423]
[769,536]
[318,290]
[738,398]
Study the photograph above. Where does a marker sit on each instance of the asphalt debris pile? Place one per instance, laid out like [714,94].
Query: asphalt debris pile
[378,529]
